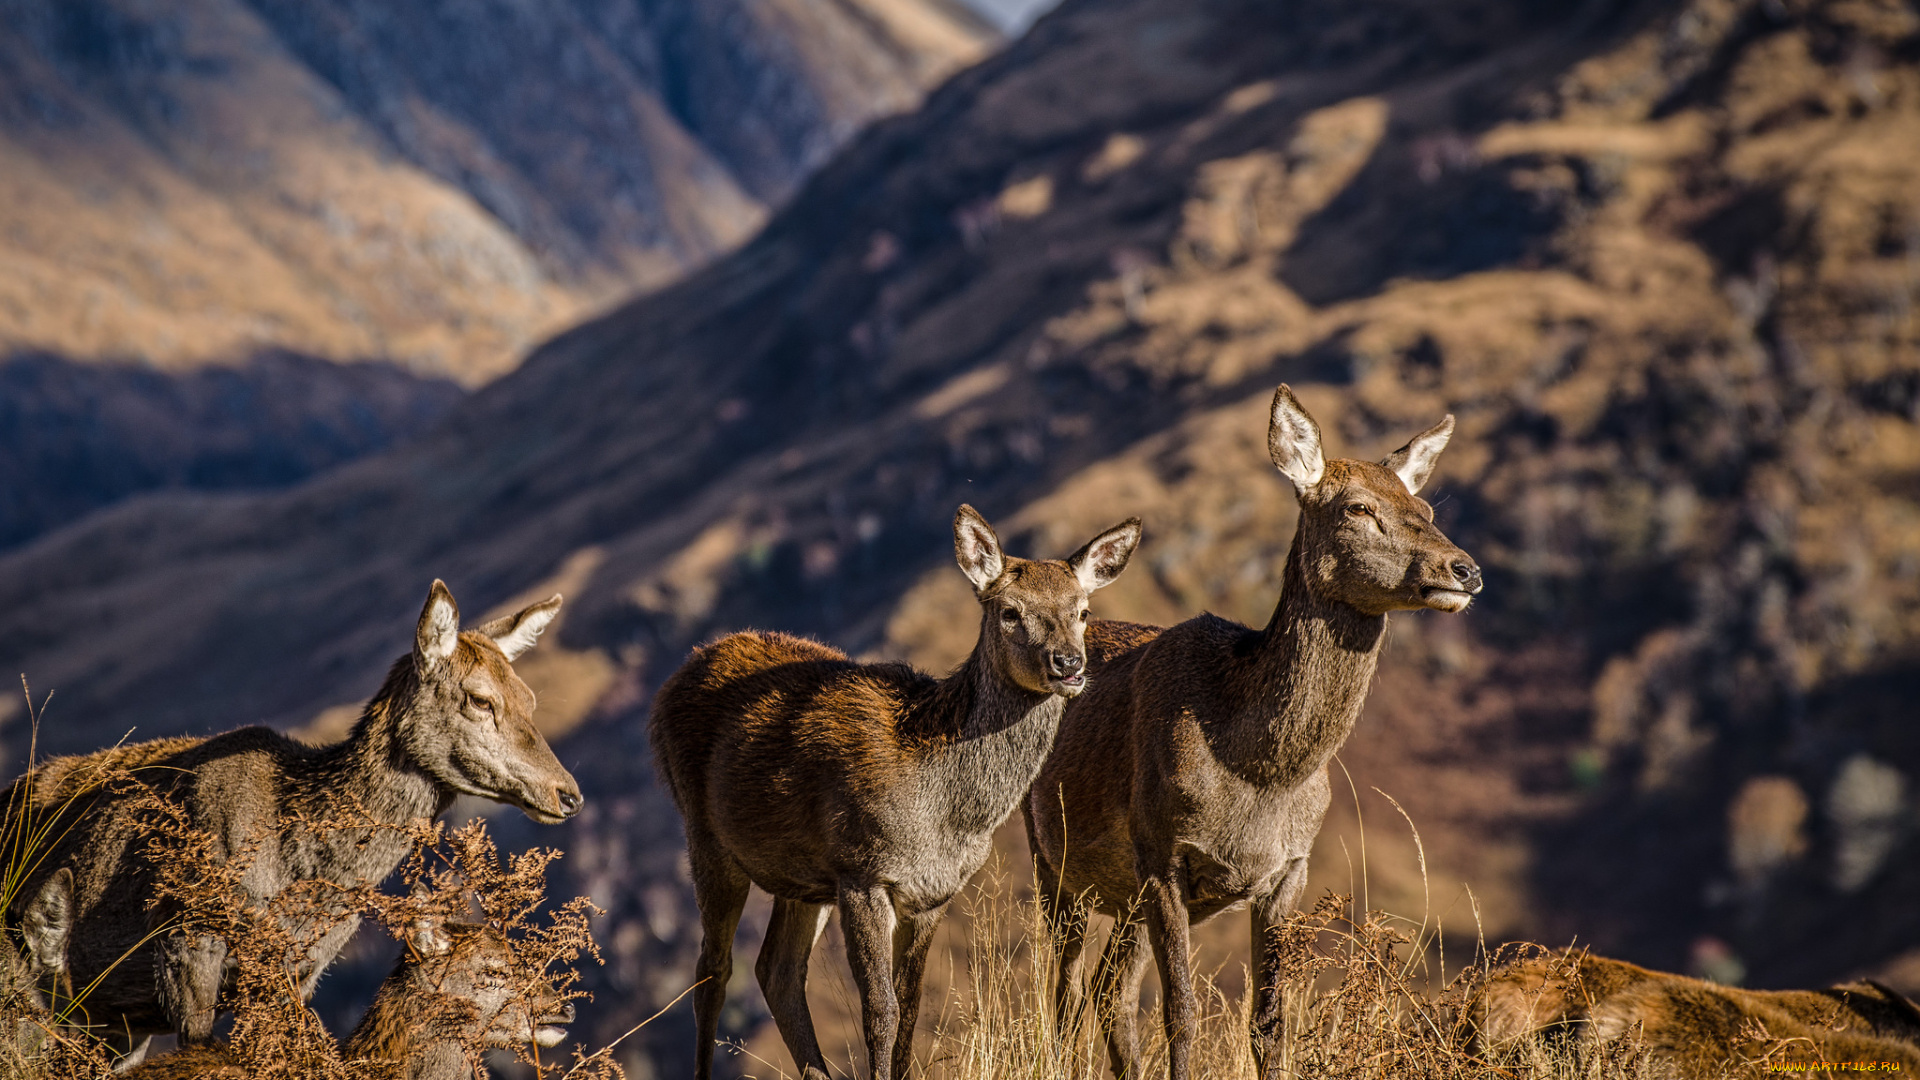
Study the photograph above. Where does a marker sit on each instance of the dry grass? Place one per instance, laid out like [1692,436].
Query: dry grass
[452,875]
[1365,1000]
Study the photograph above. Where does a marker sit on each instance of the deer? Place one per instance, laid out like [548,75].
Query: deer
[1690,1026]
[33,970]
[870,788]
[451,718]
[1191,777]
[472,966]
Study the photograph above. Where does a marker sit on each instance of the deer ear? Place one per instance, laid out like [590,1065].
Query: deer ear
[1293,440]
[48,921]
[439,630]
[976,548]
[1097,564]
[1414,462]
[515,634]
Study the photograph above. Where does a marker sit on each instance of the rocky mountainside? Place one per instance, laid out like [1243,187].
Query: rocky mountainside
[1660,260]
[434,186]
[437,184]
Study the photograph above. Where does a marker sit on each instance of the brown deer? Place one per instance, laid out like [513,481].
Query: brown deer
[495,1003]
[1692,1027]
[1191,776]
[34,969]
[451,718]
[871,787]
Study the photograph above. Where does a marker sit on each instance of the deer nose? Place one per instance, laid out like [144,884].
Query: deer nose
[569,801]
[1467,574]
[1065,665]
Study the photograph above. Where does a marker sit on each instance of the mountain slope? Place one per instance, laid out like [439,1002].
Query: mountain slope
[434,184]
[1659,261]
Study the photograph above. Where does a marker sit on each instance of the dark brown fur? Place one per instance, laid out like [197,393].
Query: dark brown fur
[1191,777]
[872,787]
[424,737]
[1695,1028]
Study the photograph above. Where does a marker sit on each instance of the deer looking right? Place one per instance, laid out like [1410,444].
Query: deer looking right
[872,787]
[1191,776]
[471,966]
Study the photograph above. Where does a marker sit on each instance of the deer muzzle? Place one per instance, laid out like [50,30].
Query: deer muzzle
[552,1026]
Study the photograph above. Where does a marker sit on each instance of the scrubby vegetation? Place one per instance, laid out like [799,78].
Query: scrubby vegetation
[454,879]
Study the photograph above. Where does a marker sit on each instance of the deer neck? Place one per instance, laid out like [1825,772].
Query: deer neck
[369,779]
[994,734]
[388,1033]
[1303,691]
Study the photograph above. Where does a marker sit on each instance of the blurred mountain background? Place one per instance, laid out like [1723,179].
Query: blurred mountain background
[427,188]
[1661,259]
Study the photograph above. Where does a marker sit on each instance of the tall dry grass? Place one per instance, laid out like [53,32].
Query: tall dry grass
[1364,1000]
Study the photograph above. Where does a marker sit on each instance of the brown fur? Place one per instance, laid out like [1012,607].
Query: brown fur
[872,787]
[451,717]
[471,965]
[1191,777]
[1693,1027]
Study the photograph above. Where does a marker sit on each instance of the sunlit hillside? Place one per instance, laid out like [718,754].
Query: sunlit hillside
[1659,260]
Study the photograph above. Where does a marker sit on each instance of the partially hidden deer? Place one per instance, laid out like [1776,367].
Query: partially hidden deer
[1191,777]
[33,969]
[495,1004]
[1691,1027]
[451,718]
[871,788]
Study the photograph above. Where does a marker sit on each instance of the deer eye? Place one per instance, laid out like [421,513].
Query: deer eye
[1358,510]
[1085,614]
[479,704]
[1010,616]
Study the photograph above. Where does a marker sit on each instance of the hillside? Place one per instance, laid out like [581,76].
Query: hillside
[1660,260]
[438,185]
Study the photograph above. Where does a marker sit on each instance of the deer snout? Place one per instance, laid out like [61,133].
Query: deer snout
[1068,671]
[1467,574]
[552,1027]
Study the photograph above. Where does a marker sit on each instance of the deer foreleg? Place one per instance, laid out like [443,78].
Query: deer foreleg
[782,969]
[1066,933]
[867,917]
[1165,899]
[1116,993]
[1269,913]
[910,943]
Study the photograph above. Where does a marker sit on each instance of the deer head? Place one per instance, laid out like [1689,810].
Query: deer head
[1034,611]
[471,725]
[1366,538]
[477,965]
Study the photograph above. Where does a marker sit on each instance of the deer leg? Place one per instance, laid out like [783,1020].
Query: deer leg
[782,969]
[189,975]
[720,889]
[1166,905]
[1116,994]
[1269,913]
[911,940]
[1066,935]
[867,916]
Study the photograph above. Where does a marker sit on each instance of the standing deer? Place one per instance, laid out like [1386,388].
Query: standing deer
[471,966]
[1692,1027]
[451,718]
[1191,776]
[871,787]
